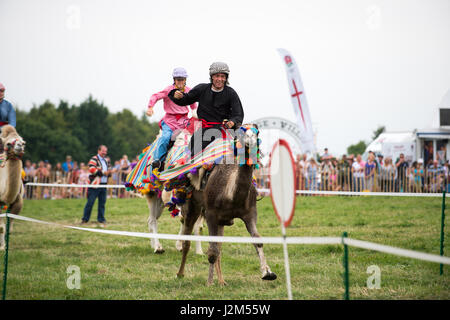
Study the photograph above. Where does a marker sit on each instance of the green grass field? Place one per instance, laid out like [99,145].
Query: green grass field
[118,267]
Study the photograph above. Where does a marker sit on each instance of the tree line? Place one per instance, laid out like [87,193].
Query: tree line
[51,132]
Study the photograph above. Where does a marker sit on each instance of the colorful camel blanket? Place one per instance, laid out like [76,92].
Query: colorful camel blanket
[177,165]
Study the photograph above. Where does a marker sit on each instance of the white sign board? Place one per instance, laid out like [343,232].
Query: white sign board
[282,181]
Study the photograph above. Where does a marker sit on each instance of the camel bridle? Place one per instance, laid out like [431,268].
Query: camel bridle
[10,151]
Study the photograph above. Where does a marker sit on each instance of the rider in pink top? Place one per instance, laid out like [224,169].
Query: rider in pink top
[176,116]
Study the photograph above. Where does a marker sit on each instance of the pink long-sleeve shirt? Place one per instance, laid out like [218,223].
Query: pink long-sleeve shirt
[176,116]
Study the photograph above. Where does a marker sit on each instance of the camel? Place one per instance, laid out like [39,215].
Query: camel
[156,206]
[228,194]
[11,187]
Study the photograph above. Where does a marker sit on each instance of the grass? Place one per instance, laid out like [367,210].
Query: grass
[118,267]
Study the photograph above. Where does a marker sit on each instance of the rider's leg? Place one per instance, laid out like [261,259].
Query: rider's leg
[163,143]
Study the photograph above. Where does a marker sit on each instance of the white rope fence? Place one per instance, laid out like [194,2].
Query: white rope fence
[265,240]
[260,190]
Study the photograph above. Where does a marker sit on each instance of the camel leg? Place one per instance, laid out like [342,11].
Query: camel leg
[198,226]
[179,243]
[250,223]
[192,213]
[217,264]
[155,210]
[214,254]
[197,231]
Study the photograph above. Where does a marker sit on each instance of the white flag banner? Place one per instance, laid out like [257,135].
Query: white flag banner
[299,102]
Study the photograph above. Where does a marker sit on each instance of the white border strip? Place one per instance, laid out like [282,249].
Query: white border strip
[73,185]
[351,193]
[260,190]
[267,240]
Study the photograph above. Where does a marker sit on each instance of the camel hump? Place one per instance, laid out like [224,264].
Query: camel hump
[7,130]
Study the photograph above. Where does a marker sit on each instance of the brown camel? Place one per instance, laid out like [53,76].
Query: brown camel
[229,193]
[11,187]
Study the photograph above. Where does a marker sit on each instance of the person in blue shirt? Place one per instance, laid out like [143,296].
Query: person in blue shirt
[7,112]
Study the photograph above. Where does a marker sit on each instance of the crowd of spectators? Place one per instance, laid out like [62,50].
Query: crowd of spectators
[71,172]
[376,174]
[324,173]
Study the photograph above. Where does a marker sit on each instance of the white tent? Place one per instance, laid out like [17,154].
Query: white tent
[391,144]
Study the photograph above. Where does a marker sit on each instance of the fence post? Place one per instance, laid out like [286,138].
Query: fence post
[5,270]
[441,266]
[346,273]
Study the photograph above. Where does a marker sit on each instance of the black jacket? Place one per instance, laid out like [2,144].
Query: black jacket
[213,106]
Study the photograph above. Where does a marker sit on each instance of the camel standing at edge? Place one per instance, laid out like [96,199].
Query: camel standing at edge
[11,186]
[229,193]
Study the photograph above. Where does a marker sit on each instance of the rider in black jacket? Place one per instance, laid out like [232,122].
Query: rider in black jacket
[218,104]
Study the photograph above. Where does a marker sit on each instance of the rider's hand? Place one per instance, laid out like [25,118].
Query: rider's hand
[149,111]
[229,124]
[178,94]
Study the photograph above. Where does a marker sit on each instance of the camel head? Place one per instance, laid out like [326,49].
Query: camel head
[248,138]
[250,134]
[12,144]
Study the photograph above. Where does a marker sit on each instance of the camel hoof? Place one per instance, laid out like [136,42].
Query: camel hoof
[160,251]
[269,276]
[180,276]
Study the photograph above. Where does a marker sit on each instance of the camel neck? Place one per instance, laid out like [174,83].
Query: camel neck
[11,180]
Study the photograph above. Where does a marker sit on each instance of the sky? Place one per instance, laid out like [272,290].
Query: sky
[363,63]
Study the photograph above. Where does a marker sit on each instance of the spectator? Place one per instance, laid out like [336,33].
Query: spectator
[379,160]
[435,175]
[99,169]
[7,112]
[298,171]
[124,168]
[115,172]
[325,155]
[58,173]
[42,173]
[30,171]
[83,178]
[401,166]
[358,174]
[75,172]
[343,170]
[304,173]
[369,172]
[389,173]
[441,155]
[326,169]
[313,171]
[68,165]
[335,186]
[418,176]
